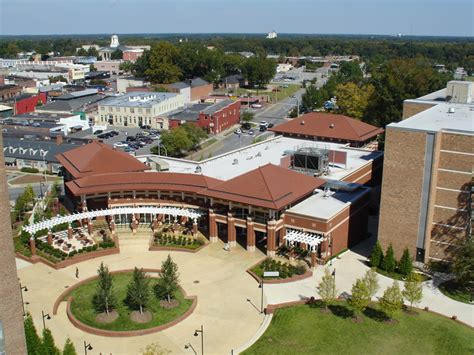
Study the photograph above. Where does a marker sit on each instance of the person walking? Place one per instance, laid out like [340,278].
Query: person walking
[77,272]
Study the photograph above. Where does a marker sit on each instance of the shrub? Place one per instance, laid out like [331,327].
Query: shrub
[376,255]
[388,262]
[405,265]
[29,170]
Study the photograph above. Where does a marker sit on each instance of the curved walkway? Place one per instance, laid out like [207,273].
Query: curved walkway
[352,265]
[216,277]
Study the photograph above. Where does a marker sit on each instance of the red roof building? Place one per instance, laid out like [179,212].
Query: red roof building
[329,127]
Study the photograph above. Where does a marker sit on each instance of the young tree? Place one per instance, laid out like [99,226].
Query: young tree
[104,299]
[463,263]
[247,116]
[405,265]
[360,297]
[353,100]
[48,346]
[138,290]
[33,341]
[371,282]
[413,290]
[376,257]
[117,54]
[327,288]
[392,300]
[69,348]
[169,280]
[388,262]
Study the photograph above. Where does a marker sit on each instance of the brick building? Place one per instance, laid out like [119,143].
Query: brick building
[27,102]
[331,128]
[192,89]
[214,118]
[8,92]
[427,180]
[12,335]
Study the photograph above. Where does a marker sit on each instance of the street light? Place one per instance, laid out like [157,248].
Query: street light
[87,347]
[334,284]
[41,189]
[189,346]
[261,297]
[23,288]
[196,333]
[45,316]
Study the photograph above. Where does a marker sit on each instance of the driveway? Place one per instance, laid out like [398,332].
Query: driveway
[216,277]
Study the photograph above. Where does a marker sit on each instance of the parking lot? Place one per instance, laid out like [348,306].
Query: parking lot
[298,75]
[124,139]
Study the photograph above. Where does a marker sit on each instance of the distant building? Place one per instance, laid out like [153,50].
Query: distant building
[28,102]
[233,82]
[283,68]
[214,118]
[123,83]
[72,102]
[427,188]
[111,66]
[130,53]
[272,35]
[8,92]
[139,109]
[191,89]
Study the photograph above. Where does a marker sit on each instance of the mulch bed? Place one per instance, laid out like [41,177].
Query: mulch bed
[138,317]
[168,305]
[107,318]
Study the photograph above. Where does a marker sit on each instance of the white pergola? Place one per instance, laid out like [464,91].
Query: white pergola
[171,211]
[310,239]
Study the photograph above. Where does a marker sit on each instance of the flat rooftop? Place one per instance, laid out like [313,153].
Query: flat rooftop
[444,116]
[240,161]
[324,205]
[139,99]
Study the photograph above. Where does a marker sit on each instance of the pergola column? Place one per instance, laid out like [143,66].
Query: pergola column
[195,227]
[282,235]
[231,237]
[212,226]
[154,224]
[112,226]
[250,235]
[271,240]
[33,246]
[69,231]
[134,224]
[313,258]
[90,226]
[50,237]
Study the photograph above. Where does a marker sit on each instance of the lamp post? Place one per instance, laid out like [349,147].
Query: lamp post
[196,333]
[45,316]
[260,286]
[41,189]
[334,285]
[23,288]
[189,346]
[87,347]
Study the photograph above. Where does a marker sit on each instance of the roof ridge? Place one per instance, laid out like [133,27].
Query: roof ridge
[265,180]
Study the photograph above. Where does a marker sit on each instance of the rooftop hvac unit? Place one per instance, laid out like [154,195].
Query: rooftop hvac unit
[235,162]
[198,169]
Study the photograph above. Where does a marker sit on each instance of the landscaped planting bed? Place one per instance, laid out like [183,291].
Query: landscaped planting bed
[176,241]
[454,290]
[83,310]
[286,270]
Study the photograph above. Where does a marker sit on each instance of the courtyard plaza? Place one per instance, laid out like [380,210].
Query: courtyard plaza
[217,277]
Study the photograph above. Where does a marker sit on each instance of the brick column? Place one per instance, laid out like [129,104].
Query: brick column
[313,258]
[90,226]
[231,237]
[112,226]
[69,232]
[50,237]
[212,227]
[134,225]
[155,224]
[33,246]
[184,219]
[271,242]
[195,227]
[250,235]
[282,235]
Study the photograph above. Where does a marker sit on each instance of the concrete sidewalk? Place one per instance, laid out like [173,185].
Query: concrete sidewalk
[352,265]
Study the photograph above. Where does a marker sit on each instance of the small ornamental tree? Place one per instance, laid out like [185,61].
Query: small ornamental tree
[33,341]
[375,258]
[138,291]
[360,297]
[48,346]
[463,263]
[247,116]
[104,299]
[405,265]
[413,290]
[69,348]
[371,282]
[168,282]
[389,263]
[327,288]
[392,300]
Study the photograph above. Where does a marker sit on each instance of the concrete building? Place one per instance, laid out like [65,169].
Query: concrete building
[192,89]
[12,335]
[214,118]
[126,82]
[139,109]
[427,180]
[8,92]
[111,66]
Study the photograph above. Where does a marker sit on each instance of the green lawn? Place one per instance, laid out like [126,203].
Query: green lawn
[305,330]
[397,276]
[453,290]
[83,310]
[280,95]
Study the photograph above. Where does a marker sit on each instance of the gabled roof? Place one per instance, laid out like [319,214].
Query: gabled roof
[268,186]
[328,125]
[98,158]
[153,181]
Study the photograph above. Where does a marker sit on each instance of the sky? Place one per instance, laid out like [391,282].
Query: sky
[384,17]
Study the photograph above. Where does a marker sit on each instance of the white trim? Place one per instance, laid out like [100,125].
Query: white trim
[451,208]
[444,243]
[448,226]
[452,190]
[455,171]
[455,152]
[310,239]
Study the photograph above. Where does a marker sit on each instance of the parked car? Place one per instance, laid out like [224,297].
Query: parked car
[270,125]
[246,125]
[256,105]
[264,123]
[131,138]
[251,132]
[120,144]
[238,131]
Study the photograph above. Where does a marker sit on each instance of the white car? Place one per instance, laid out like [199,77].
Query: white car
[264,123]
[120,145]
[238,131]
[256,106]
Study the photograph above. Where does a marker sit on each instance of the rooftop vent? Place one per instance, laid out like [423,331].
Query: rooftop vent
[451,110]
[302,123]
[259,154]
[235,162]
[198,169]
[331,125]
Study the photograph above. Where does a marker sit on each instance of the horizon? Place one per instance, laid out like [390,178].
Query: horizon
[418,18]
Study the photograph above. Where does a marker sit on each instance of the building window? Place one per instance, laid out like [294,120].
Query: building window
[139,110]
[148,110]
[132,110]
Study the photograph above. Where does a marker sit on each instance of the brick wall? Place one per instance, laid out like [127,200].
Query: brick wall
[201,91]
[10,298]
